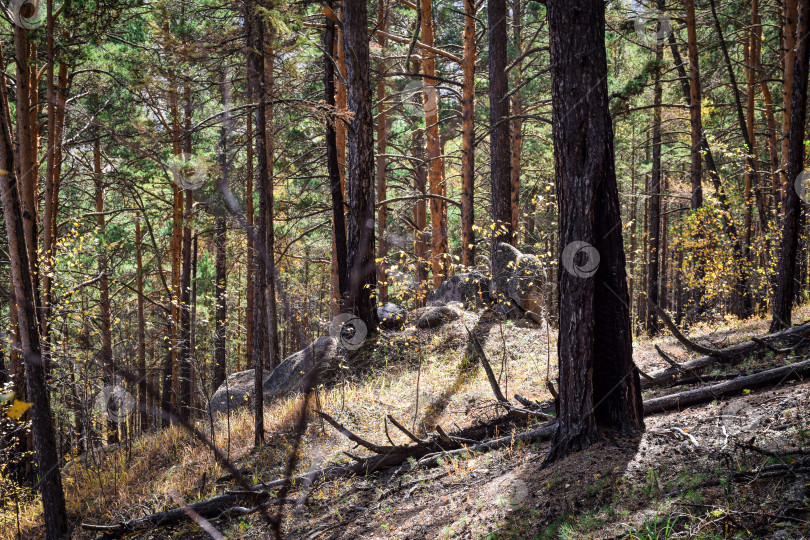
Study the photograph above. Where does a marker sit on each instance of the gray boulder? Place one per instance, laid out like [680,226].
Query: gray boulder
[518,284]
[236,392]
[525,286]
[391,316]
[283,381]
[435,316]
[286,379]
[469,288]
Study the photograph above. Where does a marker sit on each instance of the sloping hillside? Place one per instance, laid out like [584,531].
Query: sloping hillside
[734,466]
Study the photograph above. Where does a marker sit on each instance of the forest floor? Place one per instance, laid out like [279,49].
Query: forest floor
[684,483]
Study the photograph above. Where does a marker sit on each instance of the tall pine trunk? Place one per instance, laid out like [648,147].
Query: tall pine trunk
[468,137]
[499,136]
[786,270]
[360,184]
[22,287]
[599,384]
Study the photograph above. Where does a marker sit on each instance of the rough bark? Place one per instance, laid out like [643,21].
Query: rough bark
[654,209]
[599,384]
[382,144]
[696,125]
[438,225]
[786,269]
[142,383]
[468,137]
[338,272]
[50,478]
[105,327]
[360,178]
[499,133]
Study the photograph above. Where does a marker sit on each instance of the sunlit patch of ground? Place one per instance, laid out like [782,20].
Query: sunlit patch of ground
[425,378]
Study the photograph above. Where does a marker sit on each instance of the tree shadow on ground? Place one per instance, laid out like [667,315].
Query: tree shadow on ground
[544,501]
[467,370]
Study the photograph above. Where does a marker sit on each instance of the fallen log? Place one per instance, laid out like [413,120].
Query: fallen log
[664,376]
[734,386]
[427,452]
[208,509]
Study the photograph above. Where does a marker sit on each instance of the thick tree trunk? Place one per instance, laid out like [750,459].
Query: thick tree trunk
[468,137]
[255,78]
[599,384]
[360,185]
[382,144]
[339,273]
[268,93]
[695,122]
[501,166]
[250,267]
[438,225]
[50,477]
[420,245]
[786,270]
[791,14]
[517,121]
[220,246]
[184,385]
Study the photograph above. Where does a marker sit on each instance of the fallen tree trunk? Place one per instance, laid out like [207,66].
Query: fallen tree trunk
[741,350]
[208,509]
[734,386]
[428,452]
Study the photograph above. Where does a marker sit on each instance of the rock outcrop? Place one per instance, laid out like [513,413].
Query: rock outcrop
[391,316]
[285,380]
[435,316]
[470,288]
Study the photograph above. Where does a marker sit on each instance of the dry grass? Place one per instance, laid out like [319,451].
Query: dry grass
[422,378]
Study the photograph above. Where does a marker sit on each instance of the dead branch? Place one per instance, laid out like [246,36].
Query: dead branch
[209,509]
[685,341]
[734,386]
[741,350]
[668,359]
[493,382]
[538,434]
[361,441]
[406,431]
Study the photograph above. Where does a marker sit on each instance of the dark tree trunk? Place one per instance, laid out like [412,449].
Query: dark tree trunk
[335,184]
[142,383]
[499,135]
[184,372]
[786,270]
[360,183]
[106,354]
[221,244]
[654,232]
[695,171]
[599,384]
[22,286]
